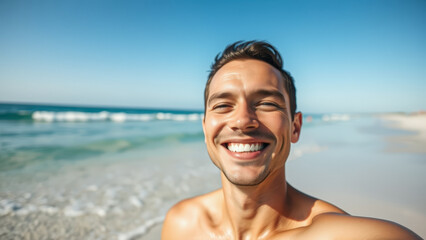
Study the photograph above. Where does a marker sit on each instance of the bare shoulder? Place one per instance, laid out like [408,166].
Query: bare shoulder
[326,221]
[343,226]
[313,205]
[321,207]
[186,217]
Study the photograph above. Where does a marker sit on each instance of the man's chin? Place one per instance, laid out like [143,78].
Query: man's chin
[240,180]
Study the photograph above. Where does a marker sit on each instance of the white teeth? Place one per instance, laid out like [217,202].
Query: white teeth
[239,147]
[246,148]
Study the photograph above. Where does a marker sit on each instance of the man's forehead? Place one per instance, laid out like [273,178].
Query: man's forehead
[247,72]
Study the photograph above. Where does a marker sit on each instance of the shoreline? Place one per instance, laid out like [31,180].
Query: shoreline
[116,196]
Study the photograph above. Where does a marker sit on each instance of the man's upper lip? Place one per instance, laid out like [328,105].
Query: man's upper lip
[244,140]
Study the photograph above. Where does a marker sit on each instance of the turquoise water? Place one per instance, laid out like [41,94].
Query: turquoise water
[33,134]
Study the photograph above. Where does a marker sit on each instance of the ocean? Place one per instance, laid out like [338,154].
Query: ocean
[112,173]
[41,134]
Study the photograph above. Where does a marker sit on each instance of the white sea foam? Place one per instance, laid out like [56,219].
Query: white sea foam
[336,117]
[135,201]
[48,209]
[10,207]
[7,206]
[26,210]
[72,211]
[48,116]
[92,188]
[141,230]
[101,212]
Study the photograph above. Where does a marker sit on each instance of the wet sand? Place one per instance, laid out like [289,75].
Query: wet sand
[123,196]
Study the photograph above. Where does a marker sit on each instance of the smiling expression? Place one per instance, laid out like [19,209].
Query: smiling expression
[247,125]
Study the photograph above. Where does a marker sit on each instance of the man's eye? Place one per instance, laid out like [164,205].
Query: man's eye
[267,105]
[221,107]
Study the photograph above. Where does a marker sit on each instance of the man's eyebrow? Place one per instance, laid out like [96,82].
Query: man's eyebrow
[273,93]
[219,95]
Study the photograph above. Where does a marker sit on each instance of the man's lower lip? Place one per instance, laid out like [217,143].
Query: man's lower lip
[245,155]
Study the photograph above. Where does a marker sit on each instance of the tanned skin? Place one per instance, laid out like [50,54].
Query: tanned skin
[248,104]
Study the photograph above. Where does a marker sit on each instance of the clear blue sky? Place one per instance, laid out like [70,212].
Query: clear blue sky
[346,56]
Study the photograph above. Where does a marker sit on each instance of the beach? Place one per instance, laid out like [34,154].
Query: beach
[124,175]
[414,123]
[118,198]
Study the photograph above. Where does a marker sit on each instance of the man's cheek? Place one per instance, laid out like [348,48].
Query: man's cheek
[214,123]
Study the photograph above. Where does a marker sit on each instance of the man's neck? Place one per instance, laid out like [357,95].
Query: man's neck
[256,211]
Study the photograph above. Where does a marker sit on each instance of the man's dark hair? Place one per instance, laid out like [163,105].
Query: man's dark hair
[259,50]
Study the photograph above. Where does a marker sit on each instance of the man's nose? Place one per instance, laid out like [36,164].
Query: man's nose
[244,119]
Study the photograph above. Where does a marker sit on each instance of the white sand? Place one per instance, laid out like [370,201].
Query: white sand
[410,122]
[415,123]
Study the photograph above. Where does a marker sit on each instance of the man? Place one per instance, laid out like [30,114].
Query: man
[250,121]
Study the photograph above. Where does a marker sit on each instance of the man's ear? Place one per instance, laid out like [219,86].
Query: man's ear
[296,127]
[204,128]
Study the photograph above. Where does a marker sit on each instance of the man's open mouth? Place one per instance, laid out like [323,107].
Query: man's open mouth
[245,147]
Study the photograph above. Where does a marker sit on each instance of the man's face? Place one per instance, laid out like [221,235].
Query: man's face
[247,125]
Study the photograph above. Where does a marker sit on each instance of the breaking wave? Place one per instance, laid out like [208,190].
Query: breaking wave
[109,116]
[75,116]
